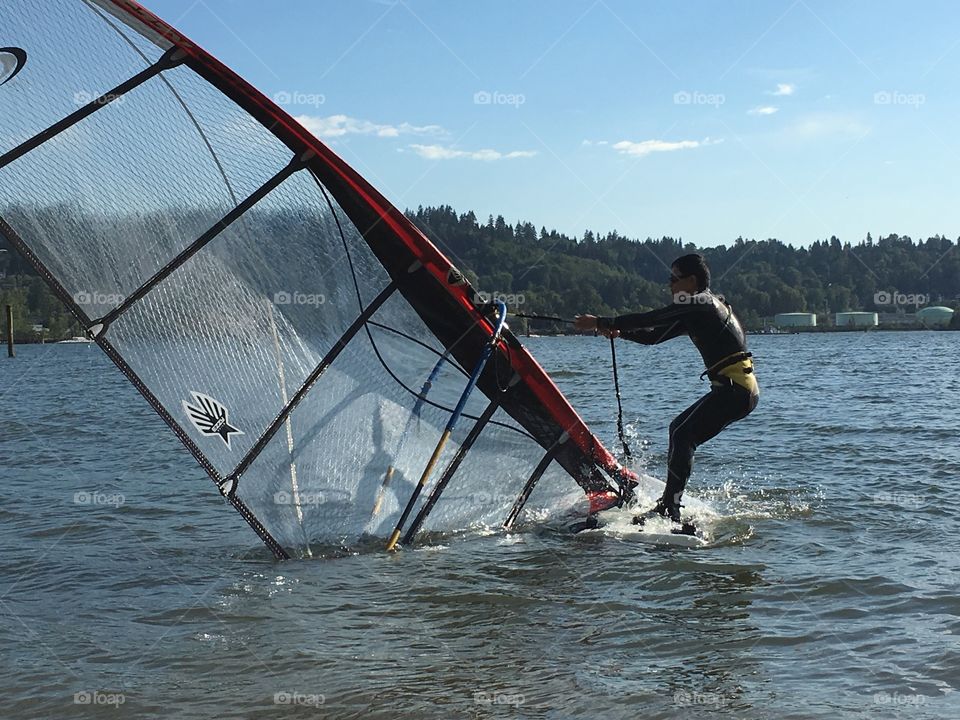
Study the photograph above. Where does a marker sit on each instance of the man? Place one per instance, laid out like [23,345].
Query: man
[709,322]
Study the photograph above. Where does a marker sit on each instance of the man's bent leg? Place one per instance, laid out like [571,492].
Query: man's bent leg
[694,426]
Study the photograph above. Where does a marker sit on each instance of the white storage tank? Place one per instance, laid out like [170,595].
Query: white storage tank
[795,319]
[935,317]
[857,319]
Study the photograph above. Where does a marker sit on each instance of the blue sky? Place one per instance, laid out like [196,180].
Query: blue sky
[698,119]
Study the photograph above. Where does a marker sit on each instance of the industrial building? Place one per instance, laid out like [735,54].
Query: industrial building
[935,317]
[856,319]
[795,319]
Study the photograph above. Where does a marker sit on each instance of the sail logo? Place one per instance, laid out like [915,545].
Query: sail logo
[210,417]
[12,60]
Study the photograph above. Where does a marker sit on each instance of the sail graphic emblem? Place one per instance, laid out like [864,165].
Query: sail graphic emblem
[210,417]
[12,60]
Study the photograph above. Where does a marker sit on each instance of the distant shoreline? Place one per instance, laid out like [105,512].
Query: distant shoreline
[752,333]
[792,331]
[871,328]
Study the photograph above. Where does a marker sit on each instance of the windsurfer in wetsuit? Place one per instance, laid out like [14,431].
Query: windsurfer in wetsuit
[709,322]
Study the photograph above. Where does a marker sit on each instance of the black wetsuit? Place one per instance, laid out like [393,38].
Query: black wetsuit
[710,323]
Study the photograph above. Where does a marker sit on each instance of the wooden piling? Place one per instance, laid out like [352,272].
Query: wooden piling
[10,352]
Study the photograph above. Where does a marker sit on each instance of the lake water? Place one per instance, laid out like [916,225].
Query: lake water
[829,589]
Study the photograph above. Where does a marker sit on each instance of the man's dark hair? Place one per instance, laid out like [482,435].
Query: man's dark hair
[695,265]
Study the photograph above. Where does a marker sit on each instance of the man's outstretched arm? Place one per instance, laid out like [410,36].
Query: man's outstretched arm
[654,336]
[664,325]
[663,318]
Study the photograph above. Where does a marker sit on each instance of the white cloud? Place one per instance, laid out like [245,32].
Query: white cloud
[784,89]
[334,126]
[591,143]
[763,110]
[438,152]
[646,147]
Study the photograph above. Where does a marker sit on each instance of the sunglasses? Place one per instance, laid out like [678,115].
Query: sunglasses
[676,278]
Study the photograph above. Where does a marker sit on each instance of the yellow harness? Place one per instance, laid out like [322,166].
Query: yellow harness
[737,371]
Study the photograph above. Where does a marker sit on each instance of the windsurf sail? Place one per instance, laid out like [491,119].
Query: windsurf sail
[273,308]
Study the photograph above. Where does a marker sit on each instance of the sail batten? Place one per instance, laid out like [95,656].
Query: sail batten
[211,234]
[311,380]
[171,58]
